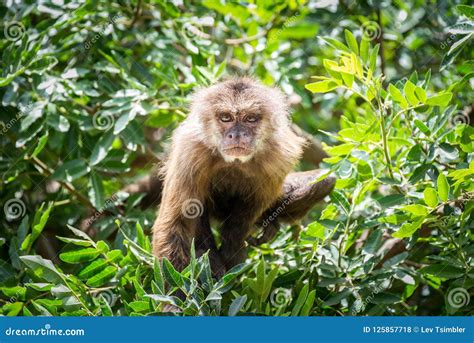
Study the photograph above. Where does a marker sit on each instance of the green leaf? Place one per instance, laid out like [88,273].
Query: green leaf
[140,306]
[92,268]
[466,10]
[71,170]
[336,299]
[420,94]
[44,269]
[385,298]
[443,187]
[41,144]
[308,305]
[300,300]
[423,128]
[430,196]
[316,230]
[78,256]
[417,210]
[409,90]
[322,86]
[408,229]
[102,277]
[443,271]
[442,99]
[335,44]
[80,233]
[341,149]
[39,223]
[373,242]
[12,309]
[351,41]
[237,305]
[341,200]
[96,191]
[123,121]
[101,148]
[373,57]
[364,49]
[171,274]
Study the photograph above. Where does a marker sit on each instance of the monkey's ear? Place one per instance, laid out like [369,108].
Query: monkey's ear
[300,193]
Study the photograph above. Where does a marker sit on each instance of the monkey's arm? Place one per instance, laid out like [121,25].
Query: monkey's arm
[300,193]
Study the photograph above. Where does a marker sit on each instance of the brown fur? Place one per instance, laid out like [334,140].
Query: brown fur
[235,193]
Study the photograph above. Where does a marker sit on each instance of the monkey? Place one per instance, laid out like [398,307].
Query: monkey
[228,162]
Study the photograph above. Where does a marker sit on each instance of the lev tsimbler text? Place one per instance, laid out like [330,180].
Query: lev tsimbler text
[413,329]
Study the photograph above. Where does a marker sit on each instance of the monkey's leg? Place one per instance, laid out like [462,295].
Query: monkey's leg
[172,242]
[205,242]
[175,227]
[234,233]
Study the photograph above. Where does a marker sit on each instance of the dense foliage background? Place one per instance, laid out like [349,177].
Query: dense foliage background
[91,90]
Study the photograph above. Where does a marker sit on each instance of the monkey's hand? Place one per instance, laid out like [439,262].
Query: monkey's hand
[300,193]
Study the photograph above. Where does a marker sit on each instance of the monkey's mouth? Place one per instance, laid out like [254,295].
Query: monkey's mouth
[237,151]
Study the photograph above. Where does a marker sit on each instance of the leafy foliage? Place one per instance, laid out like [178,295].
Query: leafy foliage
[91,92]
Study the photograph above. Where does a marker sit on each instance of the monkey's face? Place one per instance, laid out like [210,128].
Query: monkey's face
[238,135]
[238,117]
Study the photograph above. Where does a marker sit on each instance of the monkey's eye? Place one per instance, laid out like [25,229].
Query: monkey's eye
[251,119]
[224,117]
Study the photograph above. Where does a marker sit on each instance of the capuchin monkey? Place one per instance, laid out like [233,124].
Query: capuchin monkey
[228,163]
